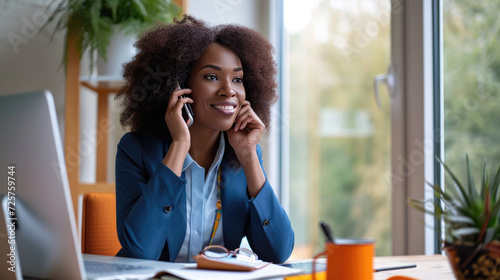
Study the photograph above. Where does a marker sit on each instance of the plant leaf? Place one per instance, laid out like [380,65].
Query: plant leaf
[460,219]
[470,179]
[485,183]
[464,231]
[421,205]
[141,8]
[85,22]
[490,233]
[458,186]
[95,12]
[495,185]
[486,214]
[113,4]
[495,211]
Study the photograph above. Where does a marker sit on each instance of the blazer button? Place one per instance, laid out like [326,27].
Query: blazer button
[167,209]
[266,222]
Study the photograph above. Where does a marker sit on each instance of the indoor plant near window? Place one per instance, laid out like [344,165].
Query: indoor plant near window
[471,216]
[91,23]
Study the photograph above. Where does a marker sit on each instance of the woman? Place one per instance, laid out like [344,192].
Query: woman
[180,188]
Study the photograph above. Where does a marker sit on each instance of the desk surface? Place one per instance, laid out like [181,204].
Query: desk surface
[433,267]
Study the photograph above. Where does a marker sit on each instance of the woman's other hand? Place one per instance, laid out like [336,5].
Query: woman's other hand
[246,132]
[181,138]
[244,137]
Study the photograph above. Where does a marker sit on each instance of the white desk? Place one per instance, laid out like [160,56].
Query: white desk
[431,267]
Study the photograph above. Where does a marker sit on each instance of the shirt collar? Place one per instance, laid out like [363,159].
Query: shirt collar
[218,156]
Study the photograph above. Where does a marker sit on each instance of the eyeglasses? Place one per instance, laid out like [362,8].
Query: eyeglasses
[219,252]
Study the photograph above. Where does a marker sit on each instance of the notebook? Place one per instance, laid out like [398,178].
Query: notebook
[36,197]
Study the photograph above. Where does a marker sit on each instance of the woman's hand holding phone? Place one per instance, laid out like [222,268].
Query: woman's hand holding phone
[174,115]
[181,138]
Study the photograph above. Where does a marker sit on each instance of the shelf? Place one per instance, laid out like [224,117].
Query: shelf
[103,86]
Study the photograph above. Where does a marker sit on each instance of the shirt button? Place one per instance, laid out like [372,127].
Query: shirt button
[167,209]
[266,222]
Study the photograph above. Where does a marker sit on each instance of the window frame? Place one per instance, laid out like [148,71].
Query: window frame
[279,132]
[413,131]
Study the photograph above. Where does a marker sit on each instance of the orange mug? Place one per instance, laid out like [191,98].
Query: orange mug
[348,259]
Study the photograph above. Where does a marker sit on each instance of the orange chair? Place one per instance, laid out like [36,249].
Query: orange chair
[99,234]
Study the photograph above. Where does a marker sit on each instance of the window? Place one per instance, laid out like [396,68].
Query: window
[441,101]
[339,139]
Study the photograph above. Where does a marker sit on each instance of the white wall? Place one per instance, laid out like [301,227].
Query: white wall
[253,14]
[29,61]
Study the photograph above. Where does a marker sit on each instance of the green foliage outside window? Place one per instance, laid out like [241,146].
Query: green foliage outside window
[471,81]
[344,180]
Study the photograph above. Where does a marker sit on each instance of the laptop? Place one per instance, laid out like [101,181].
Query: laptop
[36,197]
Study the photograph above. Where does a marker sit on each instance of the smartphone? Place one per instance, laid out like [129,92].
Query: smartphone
[187,114]
[187,111]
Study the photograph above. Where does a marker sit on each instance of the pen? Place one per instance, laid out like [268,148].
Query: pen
[327,232]
[395,267]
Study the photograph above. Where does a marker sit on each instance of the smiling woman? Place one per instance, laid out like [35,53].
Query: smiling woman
[180,188]
[217,85]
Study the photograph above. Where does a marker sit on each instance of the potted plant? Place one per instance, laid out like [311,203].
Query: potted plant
[471,217]
[92,23]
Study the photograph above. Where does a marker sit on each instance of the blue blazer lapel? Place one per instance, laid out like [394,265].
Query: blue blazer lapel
[234,204]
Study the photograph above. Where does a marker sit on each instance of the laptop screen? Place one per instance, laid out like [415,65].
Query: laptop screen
[31,146]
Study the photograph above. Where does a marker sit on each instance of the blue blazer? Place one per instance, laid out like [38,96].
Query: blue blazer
[151,205]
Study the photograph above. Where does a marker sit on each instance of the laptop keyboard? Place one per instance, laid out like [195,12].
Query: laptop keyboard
[306,266]
[102,270]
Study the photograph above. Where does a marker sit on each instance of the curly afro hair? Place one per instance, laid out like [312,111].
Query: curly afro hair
[166,55]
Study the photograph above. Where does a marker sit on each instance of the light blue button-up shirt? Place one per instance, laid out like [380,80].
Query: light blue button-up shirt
[201,199]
